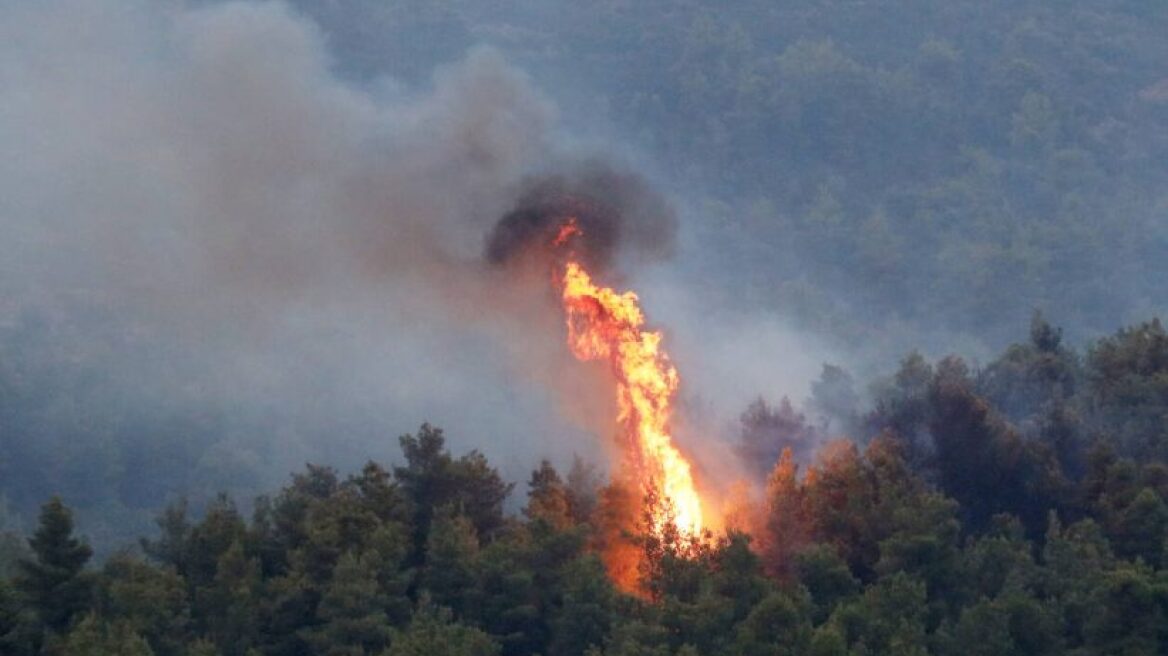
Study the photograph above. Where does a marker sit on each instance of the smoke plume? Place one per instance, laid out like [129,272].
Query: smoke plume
[617,212]
[221,259]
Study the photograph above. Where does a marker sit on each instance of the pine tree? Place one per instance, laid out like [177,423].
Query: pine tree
[354,622]
[432,632]
[94,637]
[451,554]
[585,616]
[229,605]
[151,600]
[15,627]
[54,581]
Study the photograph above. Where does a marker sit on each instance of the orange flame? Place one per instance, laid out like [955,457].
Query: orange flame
[606,325]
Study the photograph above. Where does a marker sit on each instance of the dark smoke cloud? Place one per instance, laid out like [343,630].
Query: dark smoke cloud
[617,212]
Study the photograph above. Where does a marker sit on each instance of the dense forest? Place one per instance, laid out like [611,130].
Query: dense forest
[886,176]
[878,177]
[871,167]
[1015,509]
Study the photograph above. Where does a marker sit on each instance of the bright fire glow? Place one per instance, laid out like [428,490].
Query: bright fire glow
[606,325]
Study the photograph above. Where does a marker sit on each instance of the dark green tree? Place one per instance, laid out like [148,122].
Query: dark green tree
[95,637]
[221,527]
[452,553]
[17,630]
[433,631]
[432,479]
[351,612]
[54,582]
[171,547]
[228,608]
[149,600]
[1141,528]
[779,625]
[586,610]
[888,619]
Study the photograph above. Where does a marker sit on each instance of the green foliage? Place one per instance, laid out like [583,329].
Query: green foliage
[432,479]
[587,608]
[17,630]
[885,174]
[1014,625]
[433,632]
[1128,611]
[778,625]
[827,578]
[1128,381]
[149,600]
[228,605]
[53,582]
[452,552]
[94,637]
[943,535]
[889,618]
[351,611]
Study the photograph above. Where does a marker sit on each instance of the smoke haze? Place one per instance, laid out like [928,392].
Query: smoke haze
[238,236]
[250,244]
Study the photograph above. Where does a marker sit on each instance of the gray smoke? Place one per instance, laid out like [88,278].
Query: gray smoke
[260,262]
[221,259]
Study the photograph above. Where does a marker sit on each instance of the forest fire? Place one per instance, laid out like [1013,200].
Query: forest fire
[606,325]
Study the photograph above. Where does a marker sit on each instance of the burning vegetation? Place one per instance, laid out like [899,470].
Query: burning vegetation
[574,227]
[609,326]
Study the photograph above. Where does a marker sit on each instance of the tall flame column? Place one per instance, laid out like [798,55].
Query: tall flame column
[606,325]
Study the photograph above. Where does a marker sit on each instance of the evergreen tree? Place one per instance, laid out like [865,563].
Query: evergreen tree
[1126,613]
[171,548]
[433,479]
[151,601]
[585,614]
[1140,529]
[228,607]
[452,552]
[94,637]
[351,611]
[887,620]
[779,625]
[433,632]
[16,628]
[54,582]
[221,527]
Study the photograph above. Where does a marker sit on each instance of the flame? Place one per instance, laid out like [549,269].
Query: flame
[567,231]
[609,326]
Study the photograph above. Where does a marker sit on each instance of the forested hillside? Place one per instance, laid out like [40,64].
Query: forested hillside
[867,166]
[1016,509]
[240,236]
[886,175]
